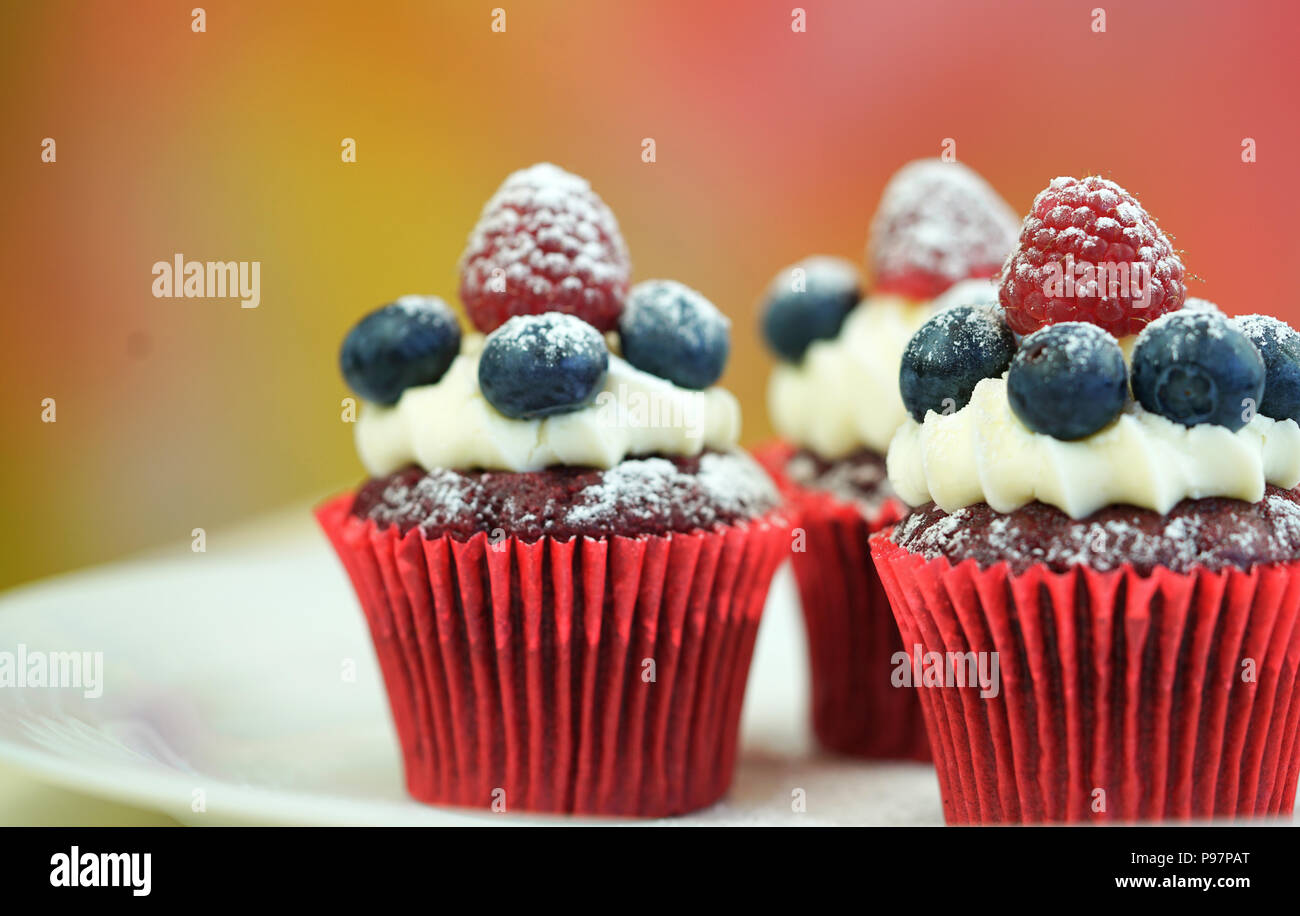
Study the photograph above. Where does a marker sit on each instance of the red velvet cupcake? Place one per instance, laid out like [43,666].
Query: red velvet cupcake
[834,402]
[1098,589]
[560,552]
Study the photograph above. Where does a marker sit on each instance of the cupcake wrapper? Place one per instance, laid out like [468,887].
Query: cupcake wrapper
[585,676]
[1123,697]
[852,635]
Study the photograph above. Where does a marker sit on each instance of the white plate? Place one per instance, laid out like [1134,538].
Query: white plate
[223,683]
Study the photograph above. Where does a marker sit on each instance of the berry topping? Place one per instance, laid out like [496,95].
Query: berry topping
[949,355]
[1068,380]
[539,365]
[1089,252]
[670,330]
[1279,344]
[545,243]
[937,223]
[1193,304]
[403,344]
[808,301]
[1195,367]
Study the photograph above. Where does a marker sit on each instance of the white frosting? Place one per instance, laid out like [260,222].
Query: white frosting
[983,453]
[844,395]
[450,424]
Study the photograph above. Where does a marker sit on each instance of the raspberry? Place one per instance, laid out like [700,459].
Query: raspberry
[544,243]
[938,223]
[1084,249]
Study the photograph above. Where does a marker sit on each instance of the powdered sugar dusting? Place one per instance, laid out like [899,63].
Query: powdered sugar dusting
[857,480]
[940,220]
[442,494]
[1075,228]
[425,306]
[550,338]
[1190,325]
[645,495]
[1080,344]
[582,239]
[547,234]
[646,488]
[1286,514]
[653,302]
[1211,534]
[1264,328]
[968,329]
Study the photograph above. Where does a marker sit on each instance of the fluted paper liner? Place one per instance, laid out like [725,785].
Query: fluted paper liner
[852,635]
[1123,696]
[586,676]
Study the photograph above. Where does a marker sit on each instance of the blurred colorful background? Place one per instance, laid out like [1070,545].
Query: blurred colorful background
[225,145]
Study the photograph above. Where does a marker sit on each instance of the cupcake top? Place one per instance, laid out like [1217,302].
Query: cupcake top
[579,405]
[568,366]
[940,230]
[1185,404]
[531,396]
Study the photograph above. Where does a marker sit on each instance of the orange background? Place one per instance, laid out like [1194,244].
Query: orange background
[176,413]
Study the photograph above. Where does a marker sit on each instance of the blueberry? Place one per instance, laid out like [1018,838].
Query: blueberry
[1195,367]
[950,354]
[1068,380]
[400,345]
[809,301]
[1279,344]
[670,330]
[539,365]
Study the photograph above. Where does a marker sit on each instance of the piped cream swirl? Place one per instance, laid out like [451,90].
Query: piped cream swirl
[844,395]
[983,453]
[450,424]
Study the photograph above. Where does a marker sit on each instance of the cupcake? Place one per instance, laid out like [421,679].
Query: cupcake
[560,551]
[939,233]
[1097,588]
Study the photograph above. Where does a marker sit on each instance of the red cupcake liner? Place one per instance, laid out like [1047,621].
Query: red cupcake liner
[517,672]
[1116,681]
[852,635]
